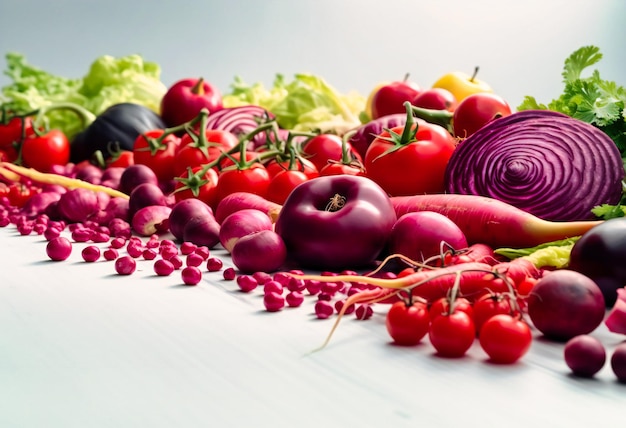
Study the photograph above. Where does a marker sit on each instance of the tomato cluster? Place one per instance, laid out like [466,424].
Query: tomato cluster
[452,326]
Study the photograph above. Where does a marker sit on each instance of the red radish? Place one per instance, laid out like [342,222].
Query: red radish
[492,222]
[564,304]
[151,219]
[242,223]
[203,231]
[241,200]
[618,362]
[260,251]
[424,234]
[185,211]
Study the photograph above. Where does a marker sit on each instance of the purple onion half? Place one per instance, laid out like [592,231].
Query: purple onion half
[543,162]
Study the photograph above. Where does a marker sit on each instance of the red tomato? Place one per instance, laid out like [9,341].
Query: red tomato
[340,168]
[441,306]
[253,179]
[505,338]
[19,193]
[194,184]
[407,324]
[489,305]
[43,151]
[158,155]
[8,154]
[228,161]
[410,166]
[14,129]
[282,184]
[123,158]
[452,335]
[274,166]
[194,150]
[324,147]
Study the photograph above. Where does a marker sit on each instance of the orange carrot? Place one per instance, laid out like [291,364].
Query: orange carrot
[492,222]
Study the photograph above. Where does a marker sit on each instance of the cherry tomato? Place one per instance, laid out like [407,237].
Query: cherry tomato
[228,161]
[406,323]
[489,305]
[8,154]
[194,184]
[476,111]
[341,168]
[324,147]
[505,338]
[275,165]
[122,158]
[452,334]
[441,306]
[411,167]
[19,193]
[42,151]
[194,151]
[283,183]
[253,179]
[158,155]
[13,130]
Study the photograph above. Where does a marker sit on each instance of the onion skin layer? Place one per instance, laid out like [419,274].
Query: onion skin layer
[546,163]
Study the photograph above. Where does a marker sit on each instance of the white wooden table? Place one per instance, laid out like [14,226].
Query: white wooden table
[81,346]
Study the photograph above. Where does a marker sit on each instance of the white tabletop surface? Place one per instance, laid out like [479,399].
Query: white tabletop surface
[84,347]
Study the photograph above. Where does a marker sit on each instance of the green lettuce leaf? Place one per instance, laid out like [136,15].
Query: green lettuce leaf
[109,81]
[307,103]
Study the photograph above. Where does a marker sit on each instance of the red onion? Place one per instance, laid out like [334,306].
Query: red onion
[262,251]
[363,136]
[546,163]
[78,204]
[240,121]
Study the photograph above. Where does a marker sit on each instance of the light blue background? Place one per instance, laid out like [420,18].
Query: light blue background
[519,45]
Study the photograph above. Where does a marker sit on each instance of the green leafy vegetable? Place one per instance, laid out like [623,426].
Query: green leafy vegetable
[109,81]
[591,99]
[306,103]
[550,254]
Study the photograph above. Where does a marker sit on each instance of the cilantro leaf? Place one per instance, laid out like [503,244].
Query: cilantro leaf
[580,59]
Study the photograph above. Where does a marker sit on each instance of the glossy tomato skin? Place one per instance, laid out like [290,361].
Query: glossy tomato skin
[336,222]
[406,323]
[324,147]
[505,338]
[275,166]
[283,183]
[253,179]
[414,168]
[191,153]
[46,150]
[489,305]
[160,158]
[14,129]
[476,111]
[191,184]
[452,334]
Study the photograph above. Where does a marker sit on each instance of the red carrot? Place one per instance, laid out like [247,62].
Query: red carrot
[492,222]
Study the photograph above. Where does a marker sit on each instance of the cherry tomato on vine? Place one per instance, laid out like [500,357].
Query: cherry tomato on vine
[411,162]
[283,183]
[274,166]
[42,151]
[13,130]
[157,154]
[228,161]
[407,323]
[441,306]
[489,305]
[253,178]
[324,147]
[123,158]
[194,151]
[505,338]
[453,334]
[194,184]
